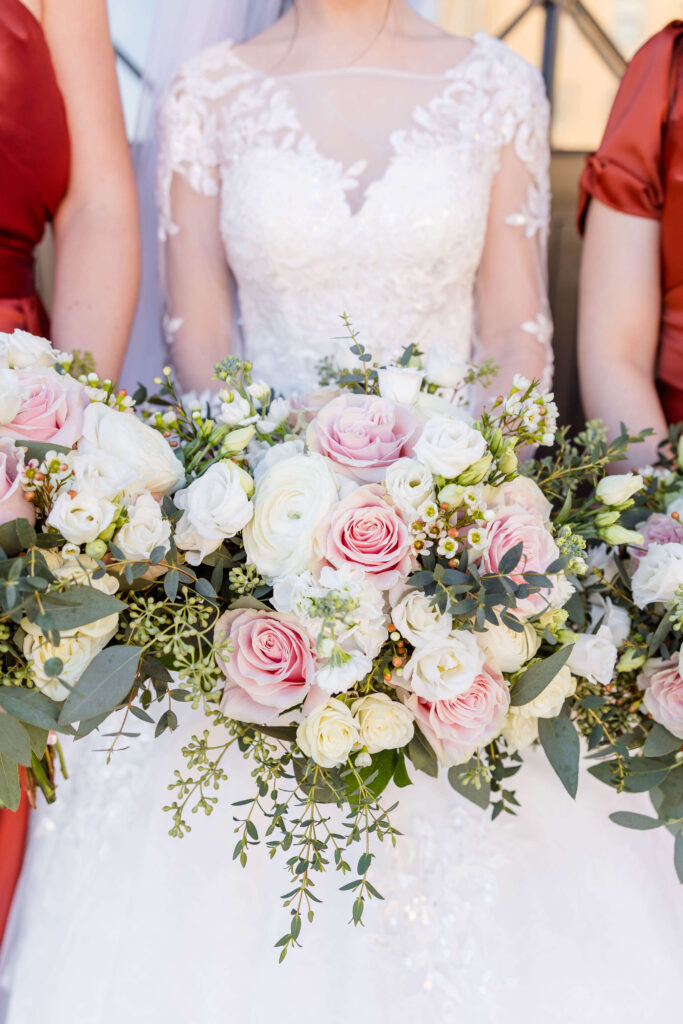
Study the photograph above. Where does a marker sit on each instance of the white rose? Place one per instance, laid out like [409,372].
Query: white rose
[400,384]
[618,489]
[520,491]
[659,575]
[384,724]
[445,367]
[616,619]
[506,650]
[82,517]
[143,449]
[594,657]
[290,500]
[549,703]
[215,507]
[329,734]
[275,417]
[100,474]
[417,618]
[145,530]
[75,651]
[24,351]
[339,677]
[235,411]
[10,402]
[445,667]
[520,730]
[409,484]
[448,447]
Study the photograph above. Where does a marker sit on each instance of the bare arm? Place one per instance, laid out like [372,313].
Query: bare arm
[96,228]
[619,321]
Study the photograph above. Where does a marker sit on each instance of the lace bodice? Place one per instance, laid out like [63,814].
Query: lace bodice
[418,204]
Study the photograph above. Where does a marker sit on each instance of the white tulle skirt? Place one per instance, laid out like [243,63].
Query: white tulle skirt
[556,915]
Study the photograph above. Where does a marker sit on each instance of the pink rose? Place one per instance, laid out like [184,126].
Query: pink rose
[511,525]
[270,668]
[309,404]
[52,407]
[13,502]
[456,728]
[658,529]
[365,531]
[362,435]
[663,696]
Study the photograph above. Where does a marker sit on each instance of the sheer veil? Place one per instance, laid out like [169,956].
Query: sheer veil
[179,29]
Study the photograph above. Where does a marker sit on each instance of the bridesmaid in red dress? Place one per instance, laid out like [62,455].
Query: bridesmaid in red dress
[631,209]
[63,159]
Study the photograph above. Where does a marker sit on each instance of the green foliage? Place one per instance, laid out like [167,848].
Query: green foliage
[560,742]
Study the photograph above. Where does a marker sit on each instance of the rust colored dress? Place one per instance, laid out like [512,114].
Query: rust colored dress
[34,176]
[638,170]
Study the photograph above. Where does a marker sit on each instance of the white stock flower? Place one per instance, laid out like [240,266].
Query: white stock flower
[329,734]
[235,411]
[338,677]
[659,575]
[215,506]
[417,619]
[409,484]
[81,517]
[616,619]
[145,530]
[259,391]
[291,498]
[618,489]
[10,402]
[275,417]
[24,351]
[506,650]
[445,367]
[594,657]
[444,667]
[600,557]
[143,449]
[448,447]
[101,474]
[400,384]
[384,724]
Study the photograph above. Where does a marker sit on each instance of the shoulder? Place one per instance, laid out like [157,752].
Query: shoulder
[510,70]
[210,73]
[658,47]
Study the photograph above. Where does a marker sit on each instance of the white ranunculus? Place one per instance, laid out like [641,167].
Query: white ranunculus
[215,507]
[275,417]
[400,384]
[236,412]
[549,703]
[24,351]
[618,489]
[506,650]
[448,447]
[384,723]
[594,657]
[445,667]
[659,575]
[101,474]
[263,456]
[145,530]
[417,618]
[81,517]
[338,678]
[290,500]
[521,491]
[409,484]
[445,367]
[125,437]
[604,611]
[520,730]
[75,651]
[329,734]
[10,402]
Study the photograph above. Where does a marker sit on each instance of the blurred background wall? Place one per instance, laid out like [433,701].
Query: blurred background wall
[582,47]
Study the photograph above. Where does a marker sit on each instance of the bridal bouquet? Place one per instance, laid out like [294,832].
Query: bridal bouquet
[392,595]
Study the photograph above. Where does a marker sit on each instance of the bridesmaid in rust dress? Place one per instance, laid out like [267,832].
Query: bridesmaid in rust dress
[63,159]
[631,209]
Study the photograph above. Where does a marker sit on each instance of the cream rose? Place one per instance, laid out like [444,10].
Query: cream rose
[448,447]
[409,484]
[417,618]
[549,702]
[145,530]
[400,384]
[618,489]
[23,351]
[659,575]
[384,724]
[81,571]
[215,507]
[506,650]
[520,730]
[81,517]
[329,734]
[594,656]
[445,667]
[75,651]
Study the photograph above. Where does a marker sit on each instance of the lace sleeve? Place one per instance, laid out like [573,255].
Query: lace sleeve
[514,326]
[195,278]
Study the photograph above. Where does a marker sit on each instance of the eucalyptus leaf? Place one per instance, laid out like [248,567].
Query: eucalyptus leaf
[678,856]
[30,706]
[104,684]
[480,796]
[644,774]
[37,738]
[560,741]
[422,755]
[10,789]
[39,449]
[13,536]
[68,610]
[660,741]
[511,559]
[538,676]
[14,740]
[641,822]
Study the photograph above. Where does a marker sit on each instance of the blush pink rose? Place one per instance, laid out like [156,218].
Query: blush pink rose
[510,526]
[367,532]
[362,435]
[658,529]
[52,407]
[663,696]
[271,666]
[13,502]
[456,728]
[309,404]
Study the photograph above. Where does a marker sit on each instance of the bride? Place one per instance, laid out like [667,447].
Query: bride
[349,158]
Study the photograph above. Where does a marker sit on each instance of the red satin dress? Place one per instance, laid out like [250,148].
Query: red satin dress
[638,170]
[34,176]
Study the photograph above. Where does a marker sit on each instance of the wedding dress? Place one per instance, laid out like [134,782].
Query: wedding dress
[419,205]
